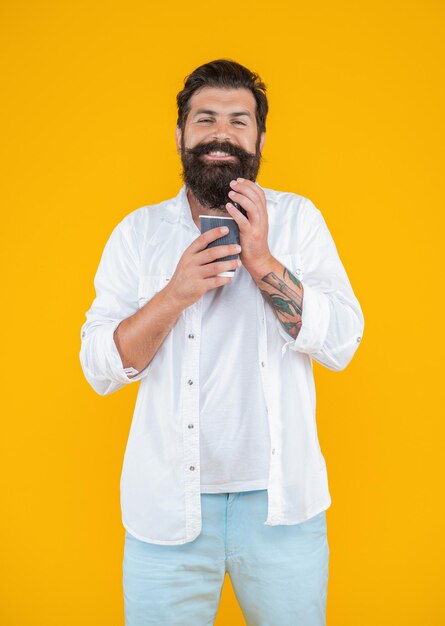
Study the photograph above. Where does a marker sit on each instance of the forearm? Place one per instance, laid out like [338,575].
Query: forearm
[139,336]
[284,292]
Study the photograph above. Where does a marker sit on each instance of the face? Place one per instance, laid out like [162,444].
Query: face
[220,142]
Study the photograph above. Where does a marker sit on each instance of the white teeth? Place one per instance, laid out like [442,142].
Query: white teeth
[219,153]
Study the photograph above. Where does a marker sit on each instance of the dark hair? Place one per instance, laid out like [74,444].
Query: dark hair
[228,75]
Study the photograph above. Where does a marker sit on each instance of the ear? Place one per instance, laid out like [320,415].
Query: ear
[178,135]
[262,141]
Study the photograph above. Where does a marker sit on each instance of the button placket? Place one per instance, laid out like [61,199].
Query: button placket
[275,470]
[190,419]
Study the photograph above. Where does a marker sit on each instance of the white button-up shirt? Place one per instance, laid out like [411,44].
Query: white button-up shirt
[160,480]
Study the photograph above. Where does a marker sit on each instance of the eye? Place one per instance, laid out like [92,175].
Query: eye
[239,122]
[204,120]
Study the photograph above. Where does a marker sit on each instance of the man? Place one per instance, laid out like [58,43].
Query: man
[223,471]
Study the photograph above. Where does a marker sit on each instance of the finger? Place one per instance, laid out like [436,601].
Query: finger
[204,239]
[218,281]
[240,219]
[247,204]
[217,252]
[212,269]
[250,189]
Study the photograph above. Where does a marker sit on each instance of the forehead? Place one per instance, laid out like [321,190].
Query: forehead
[223,100]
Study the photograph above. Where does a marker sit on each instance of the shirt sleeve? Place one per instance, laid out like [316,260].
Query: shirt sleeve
[116,285]
[332,319]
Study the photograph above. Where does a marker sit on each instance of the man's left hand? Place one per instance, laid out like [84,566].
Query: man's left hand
[254,229]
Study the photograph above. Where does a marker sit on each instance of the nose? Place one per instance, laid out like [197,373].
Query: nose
[222,131]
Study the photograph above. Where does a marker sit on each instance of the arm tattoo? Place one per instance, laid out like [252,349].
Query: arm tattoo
[286,302]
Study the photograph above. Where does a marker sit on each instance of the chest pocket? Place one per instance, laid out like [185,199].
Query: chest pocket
[292,262]
[149,285]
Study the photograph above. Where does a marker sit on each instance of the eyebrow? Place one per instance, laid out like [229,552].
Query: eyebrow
[233,114]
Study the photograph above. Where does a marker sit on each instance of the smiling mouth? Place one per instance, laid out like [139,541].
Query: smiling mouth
[219,156]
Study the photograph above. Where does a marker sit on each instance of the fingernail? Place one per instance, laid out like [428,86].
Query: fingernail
[224,229]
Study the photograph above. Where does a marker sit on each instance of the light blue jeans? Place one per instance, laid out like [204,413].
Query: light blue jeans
[279,573]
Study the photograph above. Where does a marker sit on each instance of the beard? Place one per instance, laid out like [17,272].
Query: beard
[209,181]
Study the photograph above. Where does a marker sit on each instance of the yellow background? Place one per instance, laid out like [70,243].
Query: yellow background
[356,95]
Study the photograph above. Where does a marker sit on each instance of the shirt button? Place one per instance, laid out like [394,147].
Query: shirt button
[83,334]
[298,271]
[273,450]
[262,363]
[358,339]
[190,382]
[192,467]
[191,336]
[190,426]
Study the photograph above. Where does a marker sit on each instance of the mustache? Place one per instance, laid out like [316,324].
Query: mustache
[225,146]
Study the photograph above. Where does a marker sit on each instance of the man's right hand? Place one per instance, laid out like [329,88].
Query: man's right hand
[196,272]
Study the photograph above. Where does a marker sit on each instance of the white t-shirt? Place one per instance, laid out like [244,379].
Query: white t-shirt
[234,431]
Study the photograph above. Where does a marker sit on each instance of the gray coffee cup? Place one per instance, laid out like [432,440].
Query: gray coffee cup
[208,222]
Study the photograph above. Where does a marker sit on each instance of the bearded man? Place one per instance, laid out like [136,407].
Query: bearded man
[223,472]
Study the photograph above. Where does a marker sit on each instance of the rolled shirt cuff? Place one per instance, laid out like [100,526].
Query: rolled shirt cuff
[315,320]
[108,360]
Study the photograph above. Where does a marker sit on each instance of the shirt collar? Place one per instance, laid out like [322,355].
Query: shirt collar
[178,208]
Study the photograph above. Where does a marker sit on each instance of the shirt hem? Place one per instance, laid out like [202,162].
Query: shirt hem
[235,486]
[155,541]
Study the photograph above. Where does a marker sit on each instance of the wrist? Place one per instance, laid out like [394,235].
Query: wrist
[265,266]
[171,300]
